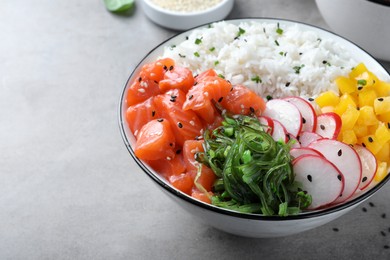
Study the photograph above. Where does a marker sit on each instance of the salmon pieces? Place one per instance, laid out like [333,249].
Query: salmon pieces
[168,109]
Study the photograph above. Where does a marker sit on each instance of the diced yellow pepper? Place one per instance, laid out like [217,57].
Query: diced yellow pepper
[382,133]
[328,98]
[349,118]
[360,130]
[357,71]
[345,101]
[327,109]
[382,105]
[349,137]
[384,117]
[372,129]
[372,143]
[381,171]
[367,116]
[346,85]
[367,97]
[383,154]
[382,89]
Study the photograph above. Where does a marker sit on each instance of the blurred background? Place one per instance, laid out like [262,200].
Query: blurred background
[68,187]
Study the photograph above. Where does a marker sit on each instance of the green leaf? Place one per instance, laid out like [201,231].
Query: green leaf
[118,5]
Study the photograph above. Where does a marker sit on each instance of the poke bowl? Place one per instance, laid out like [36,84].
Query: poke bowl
[260,127]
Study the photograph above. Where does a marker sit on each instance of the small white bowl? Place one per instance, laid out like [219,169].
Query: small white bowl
[364,22]
[250,225]
[186,20]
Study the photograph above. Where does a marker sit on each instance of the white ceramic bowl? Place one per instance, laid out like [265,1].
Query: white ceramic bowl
[364,22]
[250,225]
[186,20]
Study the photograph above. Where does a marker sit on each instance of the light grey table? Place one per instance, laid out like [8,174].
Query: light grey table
[68,187]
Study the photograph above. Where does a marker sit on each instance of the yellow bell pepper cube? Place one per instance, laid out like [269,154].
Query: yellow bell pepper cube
[367,97]
[345,101]
[349,137]
[349,118]
[382,133]
[357,71]
[360,130]
[345,85]
[383,154]
[381,171]
[367,116]
[371,143]
[382,89]
[382,105]
[327,98]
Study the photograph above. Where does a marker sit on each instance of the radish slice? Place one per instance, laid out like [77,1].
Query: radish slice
[279,133]
[345,159]
[309,117]
[296,152]
[286,113]
[307,138]
[369,166]
[268,122]
[328,125]
[296,143]
[320,178]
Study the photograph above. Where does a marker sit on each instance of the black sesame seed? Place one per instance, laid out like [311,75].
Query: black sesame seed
[363,144]
[288,84]
[388,125]
[160,120]
[360,88]
[170,144]
[153,113]
[178,151]
[300,53]
[322,127]
[364,179]
[339,177]
[303,120]
[364,209]
[340,152]
[383,233]
[196,83]
[171,67]
[180,125]
[252,109]
[220,99]
[190,97]
[324,62]
[380,99]
[371,204]
[165,67]
[370,139]
[383,215]
[155,81]
[187,38]
[139,79]
[311,99]
[231,89]
[309,178]
[386,246]
[335,229]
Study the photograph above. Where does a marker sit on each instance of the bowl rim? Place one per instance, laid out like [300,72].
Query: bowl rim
[186,14]
[227,212]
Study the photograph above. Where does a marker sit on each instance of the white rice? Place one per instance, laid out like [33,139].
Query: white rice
[262,52]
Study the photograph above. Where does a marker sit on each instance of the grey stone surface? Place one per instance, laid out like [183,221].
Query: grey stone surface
[68,187]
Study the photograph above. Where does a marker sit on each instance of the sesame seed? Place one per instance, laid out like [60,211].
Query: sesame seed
[141,90]
[363,144]
[206,94]
[364,209]
[339,177]
[371,204]
[190,97]
[311,99]
[335,229]
[252,109]
[383,233]
[171,67]
[288,84]
[139,79]
[380,99]
[180,125]
[364,179]
[178,151]
[340,152]
[160,120]
[220,99]
[383,215]
[303,120]
[322,127]
[192,123]
[370,139]
[309,178]
[169,158]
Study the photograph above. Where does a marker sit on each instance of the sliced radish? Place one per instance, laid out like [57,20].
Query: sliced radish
[346,159]
[320,178]
[328,125]
[309,117]
[369,166]
[306,138]
[296,152]
[286,113]
[268,122]
[279,133]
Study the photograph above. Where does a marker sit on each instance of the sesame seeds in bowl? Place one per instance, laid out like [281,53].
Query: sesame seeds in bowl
[185,14]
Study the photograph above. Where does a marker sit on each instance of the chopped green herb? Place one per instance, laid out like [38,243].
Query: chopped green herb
[276,42]
[256,79]
[281,53]
[196,54]
[221,76]
[216,63]
[362,82]
[279,30]
[212,49]
[298,68]
[182,56]
[268,97]
[198,41]
[240,31]
[172,47]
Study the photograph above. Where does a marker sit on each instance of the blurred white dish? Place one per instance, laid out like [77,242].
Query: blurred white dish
[185,20]
[364,22]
